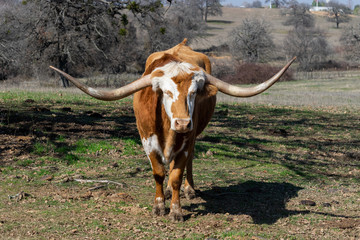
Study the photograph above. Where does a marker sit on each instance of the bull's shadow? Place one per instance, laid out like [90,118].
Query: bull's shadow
[264,202]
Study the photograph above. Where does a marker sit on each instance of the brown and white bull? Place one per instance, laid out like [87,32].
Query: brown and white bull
[173,102]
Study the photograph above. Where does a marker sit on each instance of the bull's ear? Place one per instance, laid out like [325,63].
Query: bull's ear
[208,91]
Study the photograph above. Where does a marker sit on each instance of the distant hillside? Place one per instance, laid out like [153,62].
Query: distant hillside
[220,26]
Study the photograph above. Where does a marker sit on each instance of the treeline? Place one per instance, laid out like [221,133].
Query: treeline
[83,36]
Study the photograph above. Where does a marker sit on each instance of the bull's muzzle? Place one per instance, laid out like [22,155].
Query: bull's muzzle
[182,125]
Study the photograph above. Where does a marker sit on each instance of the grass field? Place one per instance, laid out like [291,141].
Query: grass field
[270,169]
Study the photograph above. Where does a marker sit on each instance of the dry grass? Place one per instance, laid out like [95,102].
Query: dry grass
[220,26]
[341,93]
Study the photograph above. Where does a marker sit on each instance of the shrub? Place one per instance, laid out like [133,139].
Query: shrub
[252,73]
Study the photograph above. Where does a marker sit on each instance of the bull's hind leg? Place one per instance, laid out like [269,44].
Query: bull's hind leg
[159,176]
[175,180]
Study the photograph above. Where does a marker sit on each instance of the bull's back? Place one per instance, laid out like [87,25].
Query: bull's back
[185,54]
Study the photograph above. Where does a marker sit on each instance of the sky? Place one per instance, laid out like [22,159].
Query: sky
[240,2]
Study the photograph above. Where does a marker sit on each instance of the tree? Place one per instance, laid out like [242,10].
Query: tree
[256,4]
[13,40]
[251,41]
[277,3]
[318,3]
[76,35]
[206,7]
[181,21]
[86,36]
[357,10]
[338,13]
[309,45]
[299,16]
[350,40]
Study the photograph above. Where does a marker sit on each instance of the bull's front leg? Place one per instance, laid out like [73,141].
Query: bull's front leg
[175,180]
[189,181]
[159,176]
[168,190]
[189,189]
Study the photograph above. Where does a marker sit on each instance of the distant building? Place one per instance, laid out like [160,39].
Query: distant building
[319,9]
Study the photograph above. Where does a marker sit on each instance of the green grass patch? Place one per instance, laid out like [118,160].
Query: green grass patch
[86,146]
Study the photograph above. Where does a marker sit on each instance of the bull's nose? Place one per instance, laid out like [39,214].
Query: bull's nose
[182,125]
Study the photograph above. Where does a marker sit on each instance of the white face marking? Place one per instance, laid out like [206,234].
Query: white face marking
[197,82]
[170,90]
[151,144]
[186,153]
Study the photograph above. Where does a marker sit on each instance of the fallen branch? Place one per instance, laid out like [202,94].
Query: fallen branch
[96,187]
[99,181]
[18,197]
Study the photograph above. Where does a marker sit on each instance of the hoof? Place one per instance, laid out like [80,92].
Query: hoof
[176,217]
[159,209]
[176,214]
[168,193]
[189,193]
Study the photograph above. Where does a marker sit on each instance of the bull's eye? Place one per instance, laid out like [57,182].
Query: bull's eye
[169,94]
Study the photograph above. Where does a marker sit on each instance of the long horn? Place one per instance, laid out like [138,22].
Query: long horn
[110,95]
[246,92]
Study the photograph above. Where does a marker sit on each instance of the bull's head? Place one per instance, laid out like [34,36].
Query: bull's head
[181,85]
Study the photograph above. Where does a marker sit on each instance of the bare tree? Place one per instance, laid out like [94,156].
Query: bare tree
[181,21]
[338,13]
[76,35]
[205,7]
[299,16]
[350,40]
[318,3]
[13,40]
[277,3]
[251,41]
[256,4]
[84,36]
[309,45]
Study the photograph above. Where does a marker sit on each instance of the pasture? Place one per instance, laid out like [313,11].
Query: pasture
[218,27]
[283,165]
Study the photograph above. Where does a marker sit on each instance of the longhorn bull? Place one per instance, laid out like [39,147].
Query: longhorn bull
[173,103]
